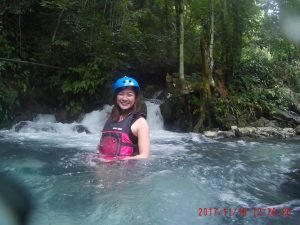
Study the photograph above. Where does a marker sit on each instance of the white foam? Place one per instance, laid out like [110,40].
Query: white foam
[154,116]
[44,128]
[95,120]
[45,118]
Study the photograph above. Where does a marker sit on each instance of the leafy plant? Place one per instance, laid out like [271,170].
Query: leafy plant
[8,103]
[79,84]
[255,71]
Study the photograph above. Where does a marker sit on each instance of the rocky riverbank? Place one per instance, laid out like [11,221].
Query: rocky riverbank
[282,124]
[254,132]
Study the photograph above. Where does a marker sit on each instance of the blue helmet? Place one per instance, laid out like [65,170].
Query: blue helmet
[125,82]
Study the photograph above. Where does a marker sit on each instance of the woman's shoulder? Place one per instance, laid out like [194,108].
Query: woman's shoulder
[140,122]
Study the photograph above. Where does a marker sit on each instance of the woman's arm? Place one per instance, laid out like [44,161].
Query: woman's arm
[140,128]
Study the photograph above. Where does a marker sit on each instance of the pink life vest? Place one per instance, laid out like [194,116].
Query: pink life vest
[118,140]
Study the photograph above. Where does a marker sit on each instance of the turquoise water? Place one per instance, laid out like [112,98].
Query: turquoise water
[189,179]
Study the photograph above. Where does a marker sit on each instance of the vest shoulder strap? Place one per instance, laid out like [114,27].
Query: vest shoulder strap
[136,116]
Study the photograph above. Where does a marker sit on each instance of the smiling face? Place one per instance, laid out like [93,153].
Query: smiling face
[126,99]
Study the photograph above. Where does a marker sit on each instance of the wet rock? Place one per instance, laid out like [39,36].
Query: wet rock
[264,132]
[233,127]
[226,134]
[253,132]
[223,134]
[20,125]
[211,134]
[245,132]
[81,129]
[46,129]
[267,131]
[176,115]
[297,130]
[66,117]
[286,118]
[287,132]
[263,122]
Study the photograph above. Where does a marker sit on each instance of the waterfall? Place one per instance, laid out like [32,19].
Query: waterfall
[45,118]
[154,116]
[92,122]
[95,120]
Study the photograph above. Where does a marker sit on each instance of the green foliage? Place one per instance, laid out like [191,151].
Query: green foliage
[246,106]
[272,34]
[90,39]
[8,103]
[6,49]
[255,71]
[80,84]
[144,37]
[288,73]
[240,110]
[254,91]
[193,104]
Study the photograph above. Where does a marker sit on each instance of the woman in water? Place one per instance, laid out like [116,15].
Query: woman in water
[126,133]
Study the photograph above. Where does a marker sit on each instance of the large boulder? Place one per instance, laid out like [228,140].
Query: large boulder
[263,122]
[20,125]
[81,129]
[297,130]
[175,115]
[286,118]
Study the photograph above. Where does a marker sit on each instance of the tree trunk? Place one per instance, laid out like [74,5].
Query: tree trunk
[177,22]
[227,48]
[222,74]
[56,27]
[205,92]
[20,33]
[111,16]
[181,43]
[211,44]
[168,41]
[180,32]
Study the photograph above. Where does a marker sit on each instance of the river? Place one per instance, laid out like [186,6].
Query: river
[190,179]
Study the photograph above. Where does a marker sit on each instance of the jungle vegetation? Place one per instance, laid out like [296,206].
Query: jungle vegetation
[228,56]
